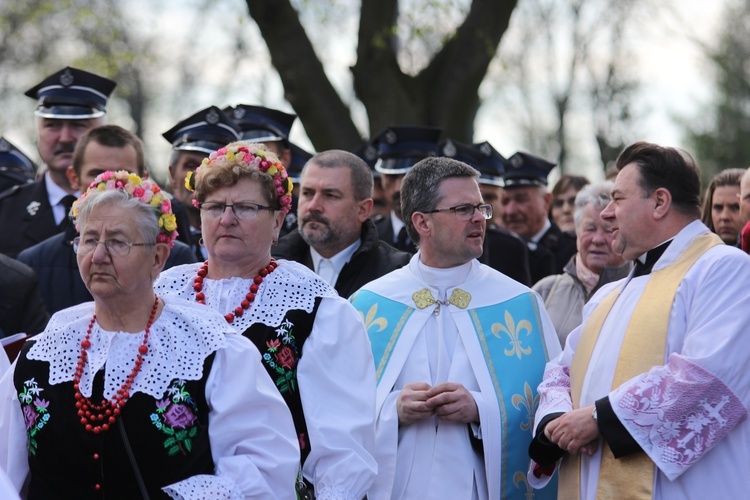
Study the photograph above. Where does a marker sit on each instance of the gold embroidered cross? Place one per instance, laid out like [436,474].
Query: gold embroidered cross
[424,298]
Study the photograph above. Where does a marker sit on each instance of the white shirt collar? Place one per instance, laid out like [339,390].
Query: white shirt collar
[338,260]
[545,228]
[55,194]
[397,224]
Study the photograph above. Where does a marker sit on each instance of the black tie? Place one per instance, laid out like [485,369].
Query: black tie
[67,202]
[403,239]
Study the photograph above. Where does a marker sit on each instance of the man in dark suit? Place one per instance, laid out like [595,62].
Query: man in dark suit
[399,148]
[336,238]
[525,207]
[192,140]
[104,148]
[503,250]
[69,103]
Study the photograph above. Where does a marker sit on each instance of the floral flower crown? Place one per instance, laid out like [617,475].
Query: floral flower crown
[254,156]
[142,189]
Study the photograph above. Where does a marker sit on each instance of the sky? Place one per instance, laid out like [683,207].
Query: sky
[675,78]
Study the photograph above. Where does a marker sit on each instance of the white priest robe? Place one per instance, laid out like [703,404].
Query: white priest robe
[440,343]
[689,415]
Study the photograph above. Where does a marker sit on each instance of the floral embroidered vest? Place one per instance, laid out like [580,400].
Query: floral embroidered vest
[281,349]
[168,436]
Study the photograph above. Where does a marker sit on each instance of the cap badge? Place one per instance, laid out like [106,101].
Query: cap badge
[239,113]
[449,149]
[516,161]
[66,79]
[212,117]
[390,137]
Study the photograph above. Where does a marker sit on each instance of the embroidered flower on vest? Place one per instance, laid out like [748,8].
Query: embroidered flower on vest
[35,412]
[281,355]
[176,416]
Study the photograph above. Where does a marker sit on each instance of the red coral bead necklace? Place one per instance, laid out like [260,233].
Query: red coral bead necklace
[200,297]
[97,418]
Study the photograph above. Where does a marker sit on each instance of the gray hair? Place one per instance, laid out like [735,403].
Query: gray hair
[145,217]
[360,172]
[598,195]
[420,189]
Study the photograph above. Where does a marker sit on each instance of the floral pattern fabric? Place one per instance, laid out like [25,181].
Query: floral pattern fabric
[176,416]
[35,412]
[281,356]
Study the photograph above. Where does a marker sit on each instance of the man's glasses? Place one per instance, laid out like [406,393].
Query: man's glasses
[466,212]
[113,246]
[243,211]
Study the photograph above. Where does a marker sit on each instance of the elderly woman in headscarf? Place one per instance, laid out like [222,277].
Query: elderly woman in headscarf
[136,395]
[313,342]
[594,265]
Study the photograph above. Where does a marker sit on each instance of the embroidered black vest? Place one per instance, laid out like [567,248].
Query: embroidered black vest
[281,348]
[168,436]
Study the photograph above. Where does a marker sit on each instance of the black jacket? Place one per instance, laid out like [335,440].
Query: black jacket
[385,233]
[507,253]
[26,217]
[21,307]
[60,282]
[373,259]
[550,255]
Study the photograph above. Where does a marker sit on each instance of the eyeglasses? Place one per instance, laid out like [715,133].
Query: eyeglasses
[242,211]
[466,212]
[559,202]
[113,246]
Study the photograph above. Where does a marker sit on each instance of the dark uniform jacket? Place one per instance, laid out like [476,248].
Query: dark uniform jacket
[507,253]
[550,255]
[60,281]
[26,217]
[385,232]
[374,258]
[21,307]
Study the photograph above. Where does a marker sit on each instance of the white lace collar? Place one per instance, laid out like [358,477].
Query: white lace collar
[180,339]
[290,286]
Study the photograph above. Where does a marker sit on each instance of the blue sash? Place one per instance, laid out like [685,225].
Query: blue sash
[514,351]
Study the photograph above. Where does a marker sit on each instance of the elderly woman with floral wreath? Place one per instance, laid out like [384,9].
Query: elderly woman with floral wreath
[134,395]
[313,342]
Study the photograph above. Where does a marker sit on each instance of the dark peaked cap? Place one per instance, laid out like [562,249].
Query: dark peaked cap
[297,162]
[483,157]
[14,164]
[524,169]
[400,147]
[260,124]
[72,94]
[206,131]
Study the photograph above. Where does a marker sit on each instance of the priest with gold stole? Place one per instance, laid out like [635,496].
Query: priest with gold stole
[459,350]
[649,397]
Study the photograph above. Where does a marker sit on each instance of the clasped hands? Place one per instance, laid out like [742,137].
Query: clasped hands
[447,400]
[575,432]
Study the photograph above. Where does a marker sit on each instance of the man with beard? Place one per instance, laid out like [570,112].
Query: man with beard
[526,204]
[335,237]
[459,350]
[69,103]
[399,148]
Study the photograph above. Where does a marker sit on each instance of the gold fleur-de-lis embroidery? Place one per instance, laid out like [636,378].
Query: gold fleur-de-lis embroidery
[528,401]
[519,479]
[514,332]
[372,321]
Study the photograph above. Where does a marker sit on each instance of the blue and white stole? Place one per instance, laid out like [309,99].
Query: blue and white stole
[514,352]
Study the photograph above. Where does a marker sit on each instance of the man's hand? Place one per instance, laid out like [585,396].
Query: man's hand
[411,403]
[452,401]
[574,432]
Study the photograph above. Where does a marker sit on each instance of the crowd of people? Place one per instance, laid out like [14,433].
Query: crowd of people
[421,318]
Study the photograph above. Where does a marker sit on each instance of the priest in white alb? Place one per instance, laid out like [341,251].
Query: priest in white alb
[459,350]
[649,398]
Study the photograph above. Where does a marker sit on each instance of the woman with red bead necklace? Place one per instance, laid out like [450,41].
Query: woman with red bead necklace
[134,395]
[313,342]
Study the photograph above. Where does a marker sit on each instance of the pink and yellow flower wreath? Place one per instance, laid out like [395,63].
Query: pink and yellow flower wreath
[253,157]
[145,191]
